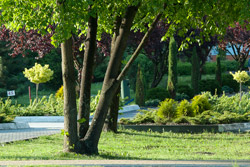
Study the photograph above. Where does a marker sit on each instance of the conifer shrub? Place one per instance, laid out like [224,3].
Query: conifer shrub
[182,119]
[167,109]
[184,108]
[172,68]
[59,93]
[200,103]
[7,111]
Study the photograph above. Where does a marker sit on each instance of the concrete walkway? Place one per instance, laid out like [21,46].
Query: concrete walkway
[130,163]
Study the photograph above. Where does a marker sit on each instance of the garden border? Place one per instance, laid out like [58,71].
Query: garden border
[235,127]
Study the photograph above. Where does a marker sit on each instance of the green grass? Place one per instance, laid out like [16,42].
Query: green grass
[139,145]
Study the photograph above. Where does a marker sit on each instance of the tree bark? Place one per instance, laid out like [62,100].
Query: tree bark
[110,124]
[70,110]
[86,77]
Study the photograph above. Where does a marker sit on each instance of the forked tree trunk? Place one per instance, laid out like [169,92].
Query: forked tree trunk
[86,77]
[111,82]
[70,111]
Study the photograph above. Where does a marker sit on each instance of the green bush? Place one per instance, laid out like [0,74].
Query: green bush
[232,104]
[144,116]
[210,85]
[157,93]
[184,68]
[7,110]
[200,103]
[167,109]
[229,117]
[186,89]
[152,103]
[227,80]
[51,106]
[184,108]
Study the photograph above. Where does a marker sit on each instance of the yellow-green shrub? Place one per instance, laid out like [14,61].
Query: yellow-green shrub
[59,92]
[200,103]
[167,109]
[184,109]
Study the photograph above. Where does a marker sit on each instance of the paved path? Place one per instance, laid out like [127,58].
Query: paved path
[130,163]
[25,134]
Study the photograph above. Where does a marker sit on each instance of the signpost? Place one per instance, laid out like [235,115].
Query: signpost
[11,93]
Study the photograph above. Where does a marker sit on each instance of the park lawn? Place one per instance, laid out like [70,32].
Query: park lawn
[129,144]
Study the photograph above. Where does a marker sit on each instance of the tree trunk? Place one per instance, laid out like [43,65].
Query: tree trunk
[70,110]
[110,124]
[111,83]
[86,77]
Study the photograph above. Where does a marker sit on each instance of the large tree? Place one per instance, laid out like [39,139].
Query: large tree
[70,16]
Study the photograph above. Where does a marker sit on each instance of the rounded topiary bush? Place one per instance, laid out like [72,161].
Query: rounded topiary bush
[157,93]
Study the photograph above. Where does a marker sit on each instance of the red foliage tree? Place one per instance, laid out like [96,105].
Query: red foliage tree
[237,43]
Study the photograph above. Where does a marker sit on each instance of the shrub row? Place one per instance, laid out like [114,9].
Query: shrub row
[203,109]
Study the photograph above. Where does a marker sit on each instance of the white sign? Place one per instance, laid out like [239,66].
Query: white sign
[11,93]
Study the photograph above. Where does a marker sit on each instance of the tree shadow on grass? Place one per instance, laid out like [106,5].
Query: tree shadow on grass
[204,135]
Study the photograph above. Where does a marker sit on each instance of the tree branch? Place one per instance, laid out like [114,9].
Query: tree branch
[138,49]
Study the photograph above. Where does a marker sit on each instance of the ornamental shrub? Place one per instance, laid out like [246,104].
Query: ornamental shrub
[38,74]
[7,111]
[59,93]
[200,103]
[167,109]
[157,93]
[184,108]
